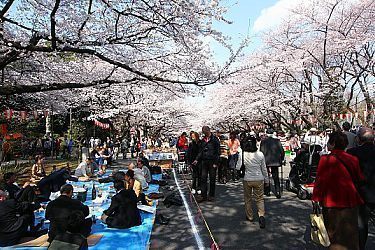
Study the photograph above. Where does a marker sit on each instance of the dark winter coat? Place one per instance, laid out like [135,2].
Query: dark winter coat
[273,151]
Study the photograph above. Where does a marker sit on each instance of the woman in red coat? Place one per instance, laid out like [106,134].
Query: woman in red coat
[337,194]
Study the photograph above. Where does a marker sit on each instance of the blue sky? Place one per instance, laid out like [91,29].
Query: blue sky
[243,14]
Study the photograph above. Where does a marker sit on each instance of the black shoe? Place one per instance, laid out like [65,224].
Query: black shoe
[211,198]
[267,193]
[278,195]
[201,199]
[262,222]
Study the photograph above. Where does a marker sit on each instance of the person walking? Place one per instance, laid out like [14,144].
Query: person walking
[335,190]
[191,155]
[233,144]
[223,162]
[365,153]
[208,155]
[351,137]
[274,154]
[255,178]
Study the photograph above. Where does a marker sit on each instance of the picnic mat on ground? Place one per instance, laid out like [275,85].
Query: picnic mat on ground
[135,238]
[92,240]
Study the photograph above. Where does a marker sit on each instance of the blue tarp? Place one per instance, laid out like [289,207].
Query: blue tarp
[133,238]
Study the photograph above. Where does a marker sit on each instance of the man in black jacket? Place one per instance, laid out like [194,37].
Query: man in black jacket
[59,210]
[366,156]
[53,182]
[15,218]
[274,155]
[123,211]
[208,157]
[26,193]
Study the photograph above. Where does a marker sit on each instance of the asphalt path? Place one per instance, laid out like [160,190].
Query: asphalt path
[287,222]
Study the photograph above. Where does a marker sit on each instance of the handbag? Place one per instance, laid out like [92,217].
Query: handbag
[319,233]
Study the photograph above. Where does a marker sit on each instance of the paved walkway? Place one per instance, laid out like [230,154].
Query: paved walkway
[287,221]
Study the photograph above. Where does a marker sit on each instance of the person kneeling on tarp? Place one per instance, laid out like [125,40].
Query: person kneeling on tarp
[123,212]
[15,218]
[72,238]
[83,171]
[59,210]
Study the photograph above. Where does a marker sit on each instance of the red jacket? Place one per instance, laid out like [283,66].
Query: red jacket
[182,143]
[334,186]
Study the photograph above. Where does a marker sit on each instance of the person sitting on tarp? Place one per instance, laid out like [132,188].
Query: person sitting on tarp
[15,219]
[25,193]
[132,184]
[83,171]
[53,182]
[72,238]
[123,211]
[144,160]
[145,170]
[139,176]
[59,210]
[38,171]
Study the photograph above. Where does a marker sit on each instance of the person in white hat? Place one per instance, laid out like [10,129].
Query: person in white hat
[312,137]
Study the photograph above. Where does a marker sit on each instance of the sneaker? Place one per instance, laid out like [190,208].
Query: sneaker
[193,191]
[199,192]
[262,222]
[278,195]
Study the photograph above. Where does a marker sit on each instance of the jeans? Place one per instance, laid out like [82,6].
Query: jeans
[208,169]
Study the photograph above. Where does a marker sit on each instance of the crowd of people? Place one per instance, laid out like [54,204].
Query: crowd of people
[344,184]
[69,225]
[217,156]
[345,179]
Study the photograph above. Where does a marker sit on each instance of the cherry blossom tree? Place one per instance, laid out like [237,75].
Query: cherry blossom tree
[311,66]
[150,41]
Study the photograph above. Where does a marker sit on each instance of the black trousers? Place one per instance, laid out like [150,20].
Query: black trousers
[208,169]
[27,195]
[196,175]
[363,220]
[223,169]
[12,238]
[84,229]
[275,177]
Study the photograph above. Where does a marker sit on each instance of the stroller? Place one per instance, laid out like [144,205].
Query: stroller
[303,171]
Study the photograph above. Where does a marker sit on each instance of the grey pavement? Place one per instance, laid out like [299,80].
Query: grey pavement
[287,223]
